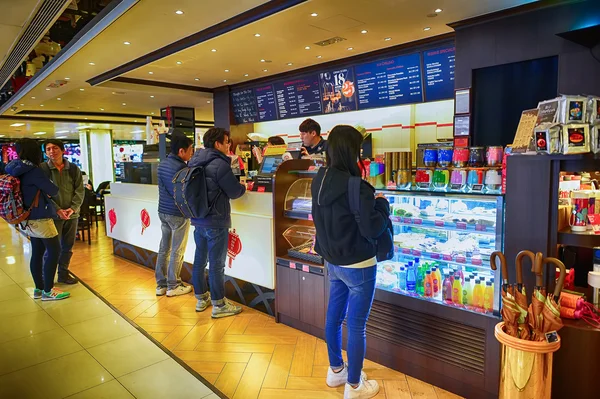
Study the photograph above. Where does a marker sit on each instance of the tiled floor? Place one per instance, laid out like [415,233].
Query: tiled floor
[248,356]
[76,348]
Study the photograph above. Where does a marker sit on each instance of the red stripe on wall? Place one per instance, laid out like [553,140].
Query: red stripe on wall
[375,129]
[426,124]
[446,125]
[408,127]
[396,125]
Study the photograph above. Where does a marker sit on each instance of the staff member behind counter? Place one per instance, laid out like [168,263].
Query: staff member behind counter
[312,142]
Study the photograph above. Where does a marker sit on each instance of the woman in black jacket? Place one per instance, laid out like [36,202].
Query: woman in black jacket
[350,251]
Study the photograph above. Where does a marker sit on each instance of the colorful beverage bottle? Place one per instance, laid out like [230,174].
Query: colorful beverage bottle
[447,288]
[420,277]
[488,297]
[411,278]
[462,276]
[478,294]
[457,290]
[437,282]
[428,285]
[402,279]
[468,292]
[438,274]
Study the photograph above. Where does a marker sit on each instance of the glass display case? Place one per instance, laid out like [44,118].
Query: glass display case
[298,200]
[443,244]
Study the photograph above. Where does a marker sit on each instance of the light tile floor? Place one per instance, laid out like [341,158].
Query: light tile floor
[78,347]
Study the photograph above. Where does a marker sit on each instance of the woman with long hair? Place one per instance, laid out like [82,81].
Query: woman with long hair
[45,244]
[348,244]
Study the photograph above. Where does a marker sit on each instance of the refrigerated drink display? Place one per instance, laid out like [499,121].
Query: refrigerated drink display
[444,242]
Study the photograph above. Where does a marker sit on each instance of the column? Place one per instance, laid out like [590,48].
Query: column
[100,155]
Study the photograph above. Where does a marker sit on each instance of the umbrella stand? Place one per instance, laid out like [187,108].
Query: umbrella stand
[526,366]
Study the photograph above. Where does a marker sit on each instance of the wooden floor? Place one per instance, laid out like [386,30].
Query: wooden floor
[246,356]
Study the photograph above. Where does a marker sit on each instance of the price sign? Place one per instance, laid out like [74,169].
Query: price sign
[292,265]
[305,268]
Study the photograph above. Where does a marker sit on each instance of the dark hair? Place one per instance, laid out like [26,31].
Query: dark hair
[55,142]
[214,135]
[276,140]
[309,125]
[343,149]
[179,141]
[29,150]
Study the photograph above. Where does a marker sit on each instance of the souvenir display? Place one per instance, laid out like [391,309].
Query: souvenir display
[494,155]
[493,180]
[547,138]
[458,179]
[548,111]
[576,139]
[595,139]
[572,109]
[430,157]
[475,179]
[445,157]
[441,178]
[593,110]
[460,157]
[476,157]
[424,178]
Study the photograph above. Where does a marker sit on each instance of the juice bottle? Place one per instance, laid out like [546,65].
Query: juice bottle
[436,282]
[457,290]
[478,294]
[402,279]
[488,297]
[420,277]
[428,284]
[411,278]
[462,276]
[447,288]
[468,292]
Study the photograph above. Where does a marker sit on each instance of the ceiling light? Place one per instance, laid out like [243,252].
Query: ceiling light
[126,43]
[67,78]
[135,121]
[214,50]
[307,48]
[151,96]
[314,14]
[81,89]
[92,64]
[39,133]
[83,127]
[179,63]
[262,60]
[22,105]
[33,98]
[101,109]
[350,48]
[196,79]
[61,132]
[150,73]
[58,98]
[264,70]
[41,105]
[227,70]
[290,64]
[179,12]
[1,135]
[124,104]
[438,10]
[387,39]
[319,56]
[152,113]
[17,124]
[208,102]
[257,34]
[246,75]
[137,131]
[224,80]
[27,115]
[47,89]
[363,31]
[61,137]
[85,119]
[426,28]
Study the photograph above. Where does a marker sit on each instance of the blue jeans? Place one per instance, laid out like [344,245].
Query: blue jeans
[351,291]
[67,232]
[211,246]
[170,252]
[44,260]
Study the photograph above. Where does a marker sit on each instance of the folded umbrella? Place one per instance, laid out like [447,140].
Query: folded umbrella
[551,320]
[521,296]
[537,301]
[510,311]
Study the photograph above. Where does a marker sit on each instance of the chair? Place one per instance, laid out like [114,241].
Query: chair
[85,222]
[103,188]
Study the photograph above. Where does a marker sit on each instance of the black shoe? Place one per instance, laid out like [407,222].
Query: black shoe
[68,280]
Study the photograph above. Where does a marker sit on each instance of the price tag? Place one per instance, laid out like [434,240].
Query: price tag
[477,187]
[395,219]
[461,225]
[310,217]
[417,221]
[292,265]
[456,187]
[447,257]
[261,189]
[407,220]
[405,251]
[424,186]
[439,223]
[416,252]
[305,268]
[477,262]
[480,227]
[434,256]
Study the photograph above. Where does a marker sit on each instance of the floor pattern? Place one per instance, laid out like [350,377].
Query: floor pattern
[247,356]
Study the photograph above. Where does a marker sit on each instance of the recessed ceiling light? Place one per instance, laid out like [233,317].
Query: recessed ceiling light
[246,75]
[227,70]
[101,109]
[126,43]
[265,70]
[124,103]
[179,12]
[257,34]
[92,64]
[179,62]
[314,14]
[81,89]
[307,48]
[208,101]
[426,28]
[224,80]
[61,131]
[196,79]
[319,56]
[363,31]
[61,137]
[135,121]
[41,105]
[152,113]
[17,124]
[151,96]
[350,48]
[47,89]
[27,115]
[387,39]
[22,105]
[1,135]
[214,50]
[39,133]
[33,98]
[438,10]
[262,60]
[67,78]
[150,73]
[290,64]
[85,119]
[58,98]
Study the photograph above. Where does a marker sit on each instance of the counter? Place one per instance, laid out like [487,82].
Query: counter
[132,218]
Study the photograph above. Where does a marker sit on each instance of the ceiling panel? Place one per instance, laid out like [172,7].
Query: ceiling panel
[15,14]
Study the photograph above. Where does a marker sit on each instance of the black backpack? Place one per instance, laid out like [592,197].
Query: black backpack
[385,242]
[191,193]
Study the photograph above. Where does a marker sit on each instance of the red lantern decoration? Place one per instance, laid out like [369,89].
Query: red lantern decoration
[145,216]
[112,219]
[234,246]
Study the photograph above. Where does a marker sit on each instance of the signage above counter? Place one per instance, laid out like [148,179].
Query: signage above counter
[405,79]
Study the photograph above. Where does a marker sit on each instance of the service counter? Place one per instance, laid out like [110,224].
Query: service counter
[133,224]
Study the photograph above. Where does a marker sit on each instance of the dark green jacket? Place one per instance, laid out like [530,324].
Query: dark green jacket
[70,186]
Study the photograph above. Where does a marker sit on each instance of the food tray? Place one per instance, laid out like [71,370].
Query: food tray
[296,253]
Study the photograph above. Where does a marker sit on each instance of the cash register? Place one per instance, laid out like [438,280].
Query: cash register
[263,181]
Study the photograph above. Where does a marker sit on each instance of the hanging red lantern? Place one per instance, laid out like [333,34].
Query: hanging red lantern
[112,219]
[234,246]
[145,216]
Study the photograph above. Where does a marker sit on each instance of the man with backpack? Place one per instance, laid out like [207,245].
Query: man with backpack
[174,225]
[212,230]
[67,177]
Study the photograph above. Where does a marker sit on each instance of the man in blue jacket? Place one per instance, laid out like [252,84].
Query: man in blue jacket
[212,232]
[174,226]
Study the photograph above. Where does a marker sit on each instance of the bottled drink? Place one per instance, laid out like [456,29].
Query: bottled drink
[437,283]
[447,288]
[402,279]
[457,290]
[478,294]
[420,279]
[411,278]
[488,297]
[468,292]
[428,285]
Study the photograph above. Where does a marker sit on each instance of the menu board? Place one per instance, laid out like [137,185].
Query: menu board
[298,97]
[244,106]
[266,104]
[439,73]
[338,90]
[394,81]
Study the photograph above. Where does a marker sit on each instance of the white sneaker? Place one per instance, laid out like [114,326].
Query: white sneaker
[180,290]
[160,291]
[367,389]
[335,380]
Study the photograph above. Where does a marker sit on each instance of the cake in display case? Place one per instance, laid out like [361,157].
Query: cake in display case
[443,244]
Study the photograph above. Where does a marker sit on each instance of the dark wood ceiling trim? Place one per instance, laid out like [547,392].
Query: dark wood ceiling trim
[536,5]
[405,48]
[245,18]
[167,85]
[80,118]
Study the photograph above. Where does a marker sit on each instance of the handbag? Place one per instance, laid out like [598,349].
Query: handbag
[385,242]
[41,228]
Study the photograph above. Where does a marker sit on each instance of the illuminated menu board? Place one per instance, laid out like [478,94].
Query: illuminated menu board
[244,106]
[394,81]
[266,103]
[439,73]
[298,97]
[338,88]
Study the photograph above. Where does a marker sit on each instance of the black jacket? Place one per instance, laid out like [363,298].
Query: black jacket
[222,186]
[339,240]
[167,169]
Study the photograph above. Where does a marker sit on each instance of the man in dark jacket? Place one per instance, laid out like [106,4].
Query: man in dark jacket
[174,226]
[212,232]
